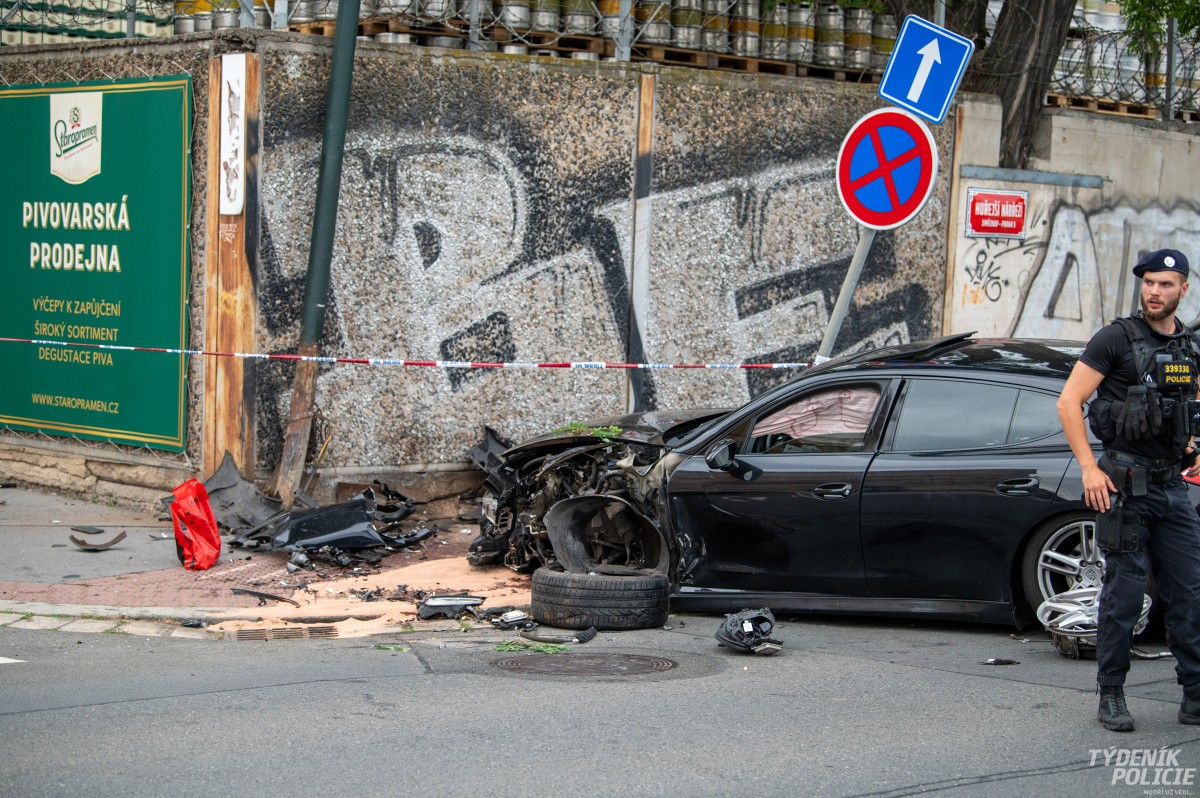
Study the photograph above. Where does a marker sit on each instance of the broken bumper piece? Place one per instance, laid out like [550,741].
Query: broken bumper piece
[749,632]
[451,607]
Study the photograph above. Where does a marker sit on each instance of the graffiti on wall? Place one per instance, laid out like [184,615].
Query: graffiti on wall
[461,247]
[1071,275]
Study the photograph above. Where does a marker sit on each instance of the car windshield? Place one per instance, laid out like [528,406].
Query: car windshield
[680,433]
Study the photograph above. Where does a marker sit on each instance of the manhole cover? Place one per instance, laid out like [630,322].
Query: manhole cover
[585,664]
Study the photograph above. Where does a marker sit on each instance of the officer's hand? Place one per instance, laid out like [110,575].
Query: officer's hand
[1134,421]
[1191,461]
[1154,414]
[1098,489]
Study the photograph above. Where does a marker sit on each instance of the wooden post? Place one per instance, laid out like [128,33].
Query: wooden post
[230,304]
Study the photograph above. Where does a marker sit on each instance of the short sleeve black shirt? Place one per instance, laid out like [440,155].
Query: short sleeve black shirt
[1111,353]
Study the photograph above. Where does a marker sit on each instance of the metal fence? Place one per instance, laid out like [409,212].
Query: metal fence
[1099,61]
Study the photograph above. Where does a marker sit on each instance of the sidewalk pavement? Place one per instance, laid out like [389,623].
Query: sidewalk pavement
[138,585]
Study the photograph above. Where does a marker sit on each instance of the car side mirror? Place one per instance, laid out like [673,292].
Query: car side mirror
[721,455]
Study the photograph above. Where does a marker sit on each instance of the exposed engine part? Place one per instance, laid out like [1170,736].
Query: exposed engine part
[518,495]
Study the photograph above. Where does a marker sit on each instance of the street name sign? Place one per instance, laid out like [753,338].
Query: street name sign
[996,214]
[885,168]
[927,64]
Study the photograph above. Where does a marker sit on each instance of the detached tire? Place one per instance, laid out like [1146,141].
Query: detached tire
[580,601]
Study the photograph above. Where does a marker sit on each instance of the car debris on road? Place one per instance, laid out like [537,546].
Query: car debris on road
[749,632]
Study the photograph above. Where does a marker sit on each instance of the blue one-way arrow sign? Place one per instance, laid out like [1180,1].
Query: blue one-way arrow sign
[926,66]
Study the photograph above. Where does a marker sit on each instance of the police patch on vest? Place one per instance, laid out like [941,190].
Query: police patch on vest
[1175,372]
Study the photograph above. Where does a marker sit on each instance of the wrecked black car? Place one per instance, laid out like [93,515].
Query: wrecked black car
[930,478]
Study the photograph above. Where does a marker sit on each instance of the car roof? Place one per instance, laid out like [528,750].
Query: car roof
[1029,356]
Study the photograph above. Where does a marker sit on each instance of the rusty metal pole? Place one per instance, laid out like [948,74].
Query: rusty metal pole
[320,253]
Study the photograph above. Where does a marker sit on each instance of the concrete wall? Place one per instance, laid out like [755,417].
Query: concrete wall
[488,213]
[502,208]
[1102,190]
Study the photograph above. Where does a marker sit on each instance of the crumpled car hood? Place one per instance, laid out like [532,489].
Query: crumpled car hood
[651,427]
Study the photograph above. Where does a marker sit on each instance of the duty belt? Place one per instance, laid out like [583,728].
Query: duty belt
[1158,472]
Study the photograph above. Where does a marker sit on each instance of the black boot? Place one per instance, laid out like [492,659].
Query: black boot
[1189,709]
[1115,716]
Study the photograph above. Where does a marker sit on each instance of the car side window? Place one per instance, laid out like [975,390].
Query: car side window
[1036,417]
[831,420]
[943,415]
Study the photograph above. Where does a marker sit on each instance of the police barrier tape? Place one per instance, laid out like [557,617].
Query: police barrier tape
[387,361]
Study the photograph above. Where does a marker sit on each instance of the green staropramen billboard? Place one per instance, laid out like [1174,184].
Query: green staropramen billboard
[94,243]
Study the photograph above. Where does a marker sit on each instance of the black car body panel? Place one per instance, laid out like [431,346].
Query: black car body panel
[904,480]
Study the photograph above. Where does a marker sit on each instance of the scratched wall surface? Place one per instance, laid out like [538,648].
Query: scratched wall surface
[483,208]
[750,242]
[1071,275]
[487,213]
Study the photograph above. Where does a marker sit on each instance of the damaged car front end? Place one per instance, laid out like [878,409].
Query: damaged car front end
[928,478]
[584,498]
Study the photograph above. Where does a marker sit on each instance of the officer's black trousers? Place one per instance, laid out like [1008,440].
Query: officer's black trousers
[1173,550]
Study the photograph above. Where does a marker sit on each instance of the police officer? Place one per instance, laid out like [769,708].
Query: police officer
[1143,370]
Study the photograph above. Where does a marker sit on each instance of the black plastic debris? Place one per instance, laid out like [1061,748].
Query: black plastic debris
[487,454]
[559,639]
[87,545]
[488,614]
[262,597]
[749,632]
[397,506]
[88,530]
[360,523]
[236,503]
[193,623]
[451,607]
[1000,661]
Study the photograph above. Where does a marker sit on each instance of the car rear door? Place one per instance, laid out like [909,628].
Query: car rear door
[966,469]
[785,518]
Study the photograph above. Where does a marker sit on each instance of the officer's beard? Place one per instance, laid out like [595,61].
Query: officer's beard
[1166,311]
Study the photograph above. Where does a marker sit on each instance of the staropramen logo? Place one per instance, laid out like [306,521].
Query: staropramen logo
[75,122]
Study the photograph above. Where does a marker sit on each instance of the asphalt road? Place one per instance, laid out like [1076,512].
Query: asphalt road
[848,708]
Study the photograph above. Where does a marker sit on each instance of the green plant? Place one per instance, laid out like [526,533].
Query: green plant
[579,428]
[541,648]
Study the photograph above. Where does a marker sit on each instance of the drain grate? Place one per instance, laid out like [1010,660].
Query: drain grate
[291,633]
[585,664]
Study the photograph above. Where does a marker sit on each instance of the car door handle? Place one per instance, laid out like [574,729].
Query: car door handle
[1018,487]
[832,491]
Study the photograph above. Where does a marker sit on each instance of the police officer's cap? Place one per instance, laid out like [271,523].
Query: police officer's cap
[1162,260]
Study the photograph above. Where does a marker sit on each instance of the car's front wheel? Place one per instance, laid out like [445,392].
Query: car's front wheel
[1061,555]
[579,601]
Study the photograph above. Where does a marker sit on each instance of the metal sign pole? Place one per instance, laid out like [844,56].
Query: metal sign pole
[625,36]
[866,237]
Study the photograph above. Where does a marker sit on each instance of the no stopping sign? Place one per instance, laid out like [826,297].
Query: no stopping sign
[885,168]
